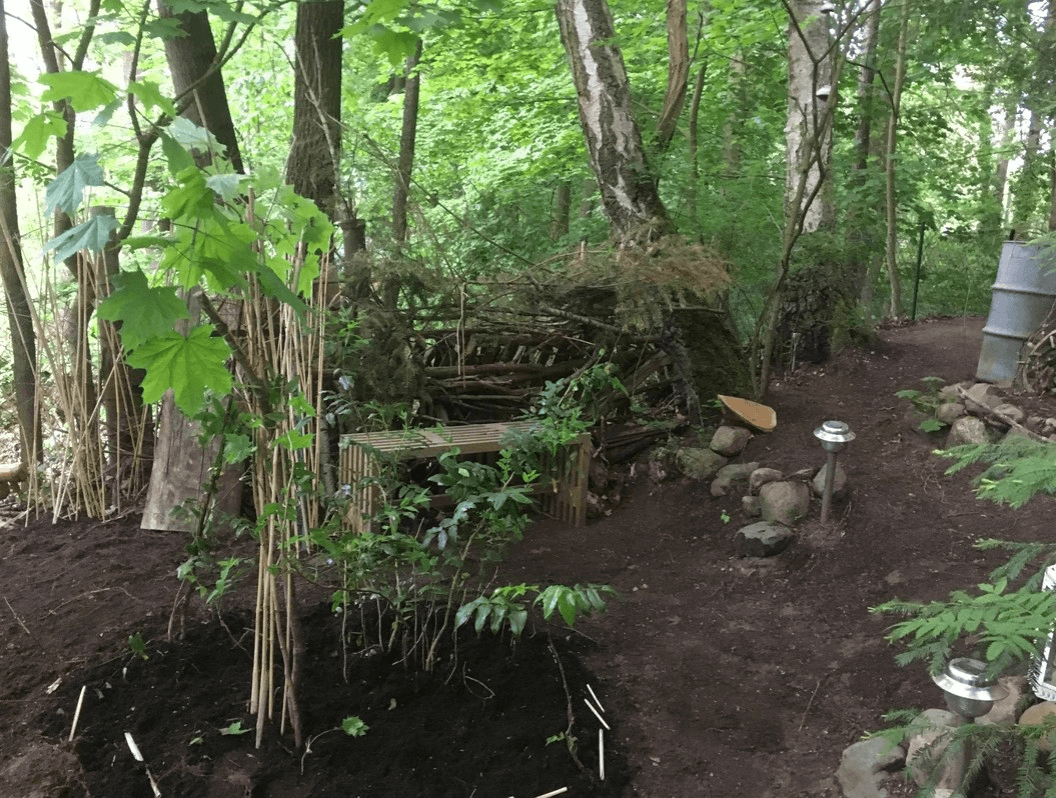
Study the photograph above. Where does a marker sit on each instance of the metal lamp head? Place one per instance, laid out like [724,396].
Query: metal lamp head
[834,436]
[969,691]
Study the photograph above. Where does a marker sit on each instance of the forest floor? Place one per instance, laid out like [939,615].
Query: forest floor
[719,676]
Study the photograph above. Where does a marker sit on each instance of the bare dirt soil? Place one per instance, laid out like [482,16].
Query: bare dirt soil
[719,676]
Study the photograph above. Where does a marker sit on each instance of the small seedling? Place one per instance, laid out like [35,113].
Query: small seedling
[354,726]
[724,517]
[235,729]
[138,646]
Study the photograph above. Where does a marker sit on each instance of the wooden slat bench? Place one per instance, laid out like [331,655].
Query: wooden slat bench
[564,487]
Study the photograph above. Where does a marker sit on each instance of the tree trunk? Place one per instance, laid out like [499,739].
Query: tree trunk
[19,312]
[408,135]
[677,73]
[694,145]
[614,142]
[562,210]
[808,134]
[891,250]
[314,162]
[993,199]
[190,58]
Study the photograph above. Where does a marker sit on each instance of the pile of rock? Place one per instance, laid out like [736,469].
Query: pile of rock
[777,499]
[981,413]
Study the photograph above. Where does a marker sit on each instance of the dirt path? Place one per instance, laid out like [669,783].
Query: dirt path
[721,676]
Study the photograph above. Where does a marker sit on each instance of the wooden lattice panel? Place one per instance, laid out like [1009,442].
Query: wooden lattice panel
[564,485]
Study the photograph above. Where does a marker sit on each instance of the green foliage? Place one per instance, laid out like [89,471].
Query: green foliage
[927,402]
[354,726]
[138,646]
[1017,469]
[1006,625]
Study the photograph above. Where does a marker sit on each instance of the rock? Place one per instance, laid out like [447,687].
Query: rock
[1017,432]
[41,770]
[1004,711]
[839,481]
[730,441]
[699,463]
[761,476]
[864,765]
[1048,426]
[661,463]
[1035,716]
[949,412]
[926,750]
[730,475]
[968,429]
[785,502]
[1010,411]
[750,506]
[762,539]
[981,395]
[952,391]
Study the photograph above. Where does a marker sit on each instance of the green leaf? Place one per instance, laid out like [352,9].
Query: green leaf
[149,93]
[295,440]
[188,365]
[84,90]
[144,312]
[37,131]
[235,729]
[166,29]
[354,726]
[227,187]
[238,447]
[176,155]
[66,191]
[193,137]
[92,235]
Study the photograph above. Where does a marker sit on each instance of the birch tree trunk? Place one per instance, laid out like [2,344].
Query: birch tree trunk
[628,187]
[808,138]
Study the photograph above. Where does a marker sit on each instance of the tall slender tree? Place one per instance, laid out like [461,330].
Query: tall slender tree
[19,312]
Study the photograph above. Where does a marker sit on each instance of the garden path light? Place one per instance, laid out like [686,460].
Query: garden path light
[834,437]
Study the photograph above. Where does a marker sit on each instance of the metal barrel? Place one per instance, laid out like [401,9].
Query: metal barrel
[1023,297]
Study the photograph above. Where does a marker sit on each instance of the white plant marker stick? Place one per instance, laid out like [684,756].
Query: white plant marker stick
[133,747]
[77,712]
[595,697]
[601,754]
[552,794]
[596,713]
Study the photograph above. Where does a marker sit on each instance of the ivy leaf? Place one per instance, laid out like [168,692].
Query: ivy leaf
[84,90]
[66,191]
[34,138]
[91,235]
[189,365]
[143,311]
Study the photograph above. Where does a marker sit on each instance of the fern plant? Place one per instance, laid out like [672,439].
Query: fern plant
[1017,469]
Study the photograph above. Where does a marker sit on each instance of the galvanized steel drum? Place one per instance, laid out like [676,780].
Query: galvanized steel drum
[1023,297]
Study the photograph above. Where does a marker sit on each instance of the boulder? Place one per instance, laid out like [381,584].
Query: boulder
[762,539]
[967,429]
[698,463]
[1004,711]
[1035,716]
[750,506]
[865,764]
[730,475]
[786,502]
[982,395]
[948,412]
[761,476]
[729,441]
[926,751]
[839,481]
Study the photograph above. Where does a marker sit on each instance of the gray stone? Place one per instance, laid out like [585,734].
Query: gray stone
[785,502]
[982,395]
[699,463]
[41,770]
[762,539]
[761,476]
[1004,711]
[839,481]
[1048,426]
[730,441]
[1010,411]
[926,759]
[730,475]
[968,429]
[864,765]
[952,391]
[750,506]
[948,412]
